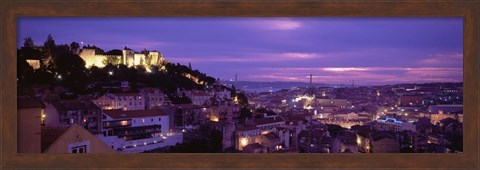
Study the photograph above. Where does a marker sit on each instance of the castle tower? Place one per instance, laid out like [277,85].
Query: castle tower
[128,57]
[88,55]
[154,57]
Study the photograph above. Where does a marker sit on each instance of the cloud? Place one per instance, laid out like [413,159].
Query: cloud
[364,75]
[342,69]
[255,57]
[443,59]
[300,55]
[282,24]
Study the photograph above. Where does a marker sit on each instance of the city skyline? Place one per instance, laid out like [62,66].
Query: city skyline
[334,50]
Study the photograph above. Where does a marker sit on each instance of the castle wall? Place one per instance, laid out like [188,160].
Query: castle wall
[129,58]
[139,59]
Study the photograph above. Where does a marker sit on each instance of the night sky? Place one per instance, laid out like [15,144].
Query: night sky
[335,50]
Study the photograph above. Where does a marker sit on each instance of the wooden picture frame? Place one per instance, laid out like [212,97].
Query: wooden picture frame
[11,10]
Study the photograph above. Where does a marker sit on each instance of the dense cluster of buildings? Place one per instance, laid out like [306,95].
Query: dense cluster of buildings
[423,118]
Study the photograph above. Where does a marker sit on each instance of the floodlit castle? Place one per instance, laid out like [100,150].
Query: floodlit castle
[95,57]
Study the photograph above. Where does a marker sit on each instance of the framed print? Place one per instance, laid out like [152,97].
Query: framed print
[201,84]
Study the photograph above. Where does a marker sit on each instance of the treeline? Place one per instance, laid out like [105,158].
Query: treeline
[61,65]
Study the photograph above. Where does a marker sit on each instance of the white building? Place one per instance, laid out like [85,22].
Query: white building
[154,97]
[199,97]
[392,124]
[125,101]
[137,130]
[263,131]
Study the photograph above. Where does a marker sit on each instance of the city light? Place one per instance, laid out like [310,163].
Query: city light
[129,97]
[214,118]
[243,142]
[123,122]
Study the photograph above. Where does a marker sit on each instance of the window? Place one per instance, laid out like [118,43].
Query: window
[143,120]
[80,149]
[159,119]
[151,120]
[123,122]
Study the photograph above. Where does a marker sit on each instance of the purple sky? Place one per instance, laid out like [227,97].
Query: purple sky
[334,50]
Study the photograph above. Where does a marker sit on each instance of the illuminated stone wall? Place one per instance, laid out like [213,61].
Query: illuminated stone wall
[129,58]
[34,63]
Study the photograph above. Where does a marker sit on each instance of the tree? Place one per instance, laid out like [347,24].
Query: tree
[245,113]
[74,46]
[28,43]
[49,44]
[233,92]
[48,47]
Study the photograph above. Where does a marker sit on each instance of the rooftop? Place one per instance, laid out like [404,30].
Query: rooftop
[118,113]
[269,120]
[28,102]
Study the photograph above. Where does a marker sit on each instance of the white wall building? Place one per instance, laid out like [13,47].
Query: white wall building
[137,130]
[125,101]
[154,97]
[392,124]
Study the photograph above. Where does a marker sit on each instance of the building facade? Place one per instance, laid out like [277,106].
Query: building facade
[128,57]
[137,130]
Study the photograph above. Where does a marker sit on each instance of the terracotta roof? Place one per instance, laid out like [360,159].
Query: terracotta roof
[269,120]
[252,147]
[381,135]
[200,93]
[50,135]
[118,113]
[28,102]
[187,106]
[272,136]
[74,104]
[246,128]
[152,90]
[126,94]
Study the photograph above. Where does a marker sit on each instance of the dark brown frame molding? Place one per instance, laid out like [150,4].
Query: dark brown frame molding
[11,10]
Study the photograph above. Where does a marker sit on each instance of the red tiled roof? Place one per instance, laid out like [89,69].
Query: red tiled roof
[118,113]
[50,135]
[126,94]
[187,106]
[200,93]
[28,102]
[246,128]
[269,120]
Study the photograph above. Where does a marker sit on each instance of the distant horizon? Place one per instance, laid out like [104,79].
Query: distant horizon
[335,50]
[345,84]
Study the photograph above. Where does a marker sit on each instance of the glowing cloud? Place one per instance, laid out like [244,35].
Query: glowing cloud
[283,25]
[342,69]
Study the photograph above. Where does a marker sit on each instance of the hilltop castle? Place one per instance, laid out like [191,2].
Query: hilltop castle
[94,56]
